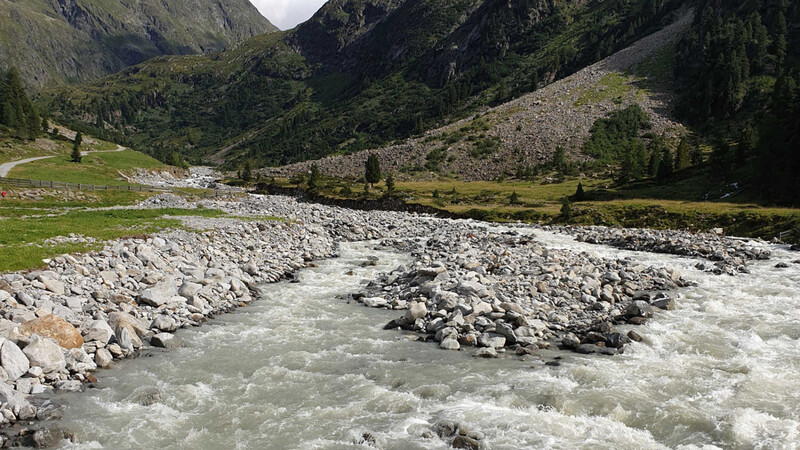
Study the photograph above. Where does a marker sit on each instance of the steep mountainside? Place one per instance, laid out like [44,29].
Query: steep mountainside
[526,131]
[358,75]
[52,41]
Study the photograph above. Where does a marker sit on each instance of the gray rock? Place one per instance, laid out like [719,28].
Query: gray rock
[639,308]
[486,352]
[51,436]
[449,343]
[45,353]
[69,386]
[416,311]
[189,289]
[103,358]
[160,294]
[666,304]
[165,340]
[99,331]
[164,323]
[54,286]
[469,288]
[13,360]
[491,340]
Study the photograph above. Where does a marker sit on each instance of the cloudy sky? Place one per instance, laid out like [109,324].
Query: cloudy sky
[285,14]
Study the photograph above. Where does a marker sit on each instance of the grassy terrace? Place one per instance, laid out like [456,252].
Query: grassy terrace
[23,239]
[96,168]
[645,204]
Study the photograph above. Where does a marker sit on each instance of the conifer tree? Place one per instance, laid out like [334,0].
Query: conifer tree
[683,157]
[313,179]
[579,194]
[247,174]
[665,165]
[76,153]
[372,170]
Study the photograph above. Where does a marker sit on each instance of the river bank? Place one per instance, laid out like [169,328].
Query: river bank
[470,285]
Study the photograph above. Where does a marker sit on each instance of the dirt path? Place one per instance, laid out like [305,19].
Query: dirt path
[6,168]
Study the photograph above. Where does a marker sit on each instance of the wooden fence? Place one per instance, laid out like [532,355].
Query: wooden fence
[17,182]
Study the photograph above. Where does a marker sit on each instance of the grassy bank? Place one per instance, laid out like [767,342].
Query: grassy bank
[642,205]
[95,168]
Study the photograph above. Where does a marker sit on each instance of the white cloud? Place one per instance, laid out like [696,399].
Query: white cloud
[285,14]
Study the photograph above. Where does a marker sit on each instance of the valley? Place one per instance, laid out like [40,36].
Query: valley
[404,224]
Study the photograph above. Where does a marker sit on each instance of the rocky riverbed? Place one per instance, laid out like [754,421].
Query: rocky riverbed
[491,289]
[728,255]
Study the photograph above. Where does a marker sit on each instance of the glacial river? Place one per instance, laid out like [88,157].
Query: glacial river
[304,369]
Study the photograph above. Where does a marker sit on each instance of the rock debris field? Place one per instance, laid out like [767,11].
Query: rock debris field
[491,291]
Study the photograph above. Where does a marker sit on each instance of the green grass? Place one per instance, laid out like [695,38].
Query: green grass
[22,240]
[95,168]
[55,199]
[612,87]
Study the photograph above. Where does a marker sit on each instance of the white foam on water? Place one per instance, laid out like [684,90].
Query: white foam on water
[305,369]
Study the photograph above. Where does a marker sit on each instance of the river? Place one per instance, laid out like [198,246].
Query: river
[304,368]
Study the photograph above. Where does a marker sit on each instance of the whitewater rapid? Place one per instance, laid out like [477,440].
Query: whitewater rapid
[306,368]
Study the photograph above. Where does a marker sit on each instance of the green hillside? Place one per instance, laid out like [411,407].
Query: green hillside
[358,75]
[80,40]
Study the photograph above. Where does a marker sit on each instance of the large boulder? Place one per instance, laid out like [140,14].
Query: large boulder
[13,360]
[45,353]
[53,327]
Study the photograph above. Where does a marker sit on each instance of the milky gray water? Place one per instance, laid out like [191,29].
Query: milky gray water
[303,369]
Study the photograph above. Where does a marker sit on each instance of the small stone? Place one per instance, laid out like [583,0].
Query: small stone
[103,358]
[634,336]
[450,343]
[486,352]
[416,311]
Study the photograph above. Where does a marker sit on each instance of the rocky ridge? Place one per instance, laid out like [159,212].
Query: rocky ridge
[729,256]
[529,128]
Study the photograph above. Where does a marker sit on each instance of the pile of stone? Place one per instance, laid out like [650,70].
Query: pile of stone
[474,287]
[728,256]
[83,312]
[71,239]
[165,200]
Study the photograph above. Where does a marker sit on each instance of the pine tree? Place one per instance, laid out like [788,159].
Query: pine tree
[372,170]
[566,209]
[76,153]
[748,141]
[78,139]
[683,157]
[313,179]
[579,194]
[513,199]
[247,174]
[665,166]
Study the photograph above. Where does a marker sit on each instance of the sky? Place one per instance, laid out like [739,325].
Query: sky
[285,14]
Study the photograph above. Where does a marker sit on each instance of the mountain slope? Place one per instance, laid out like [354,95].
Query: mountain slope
[526,131]
[358,75]
[53,41]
